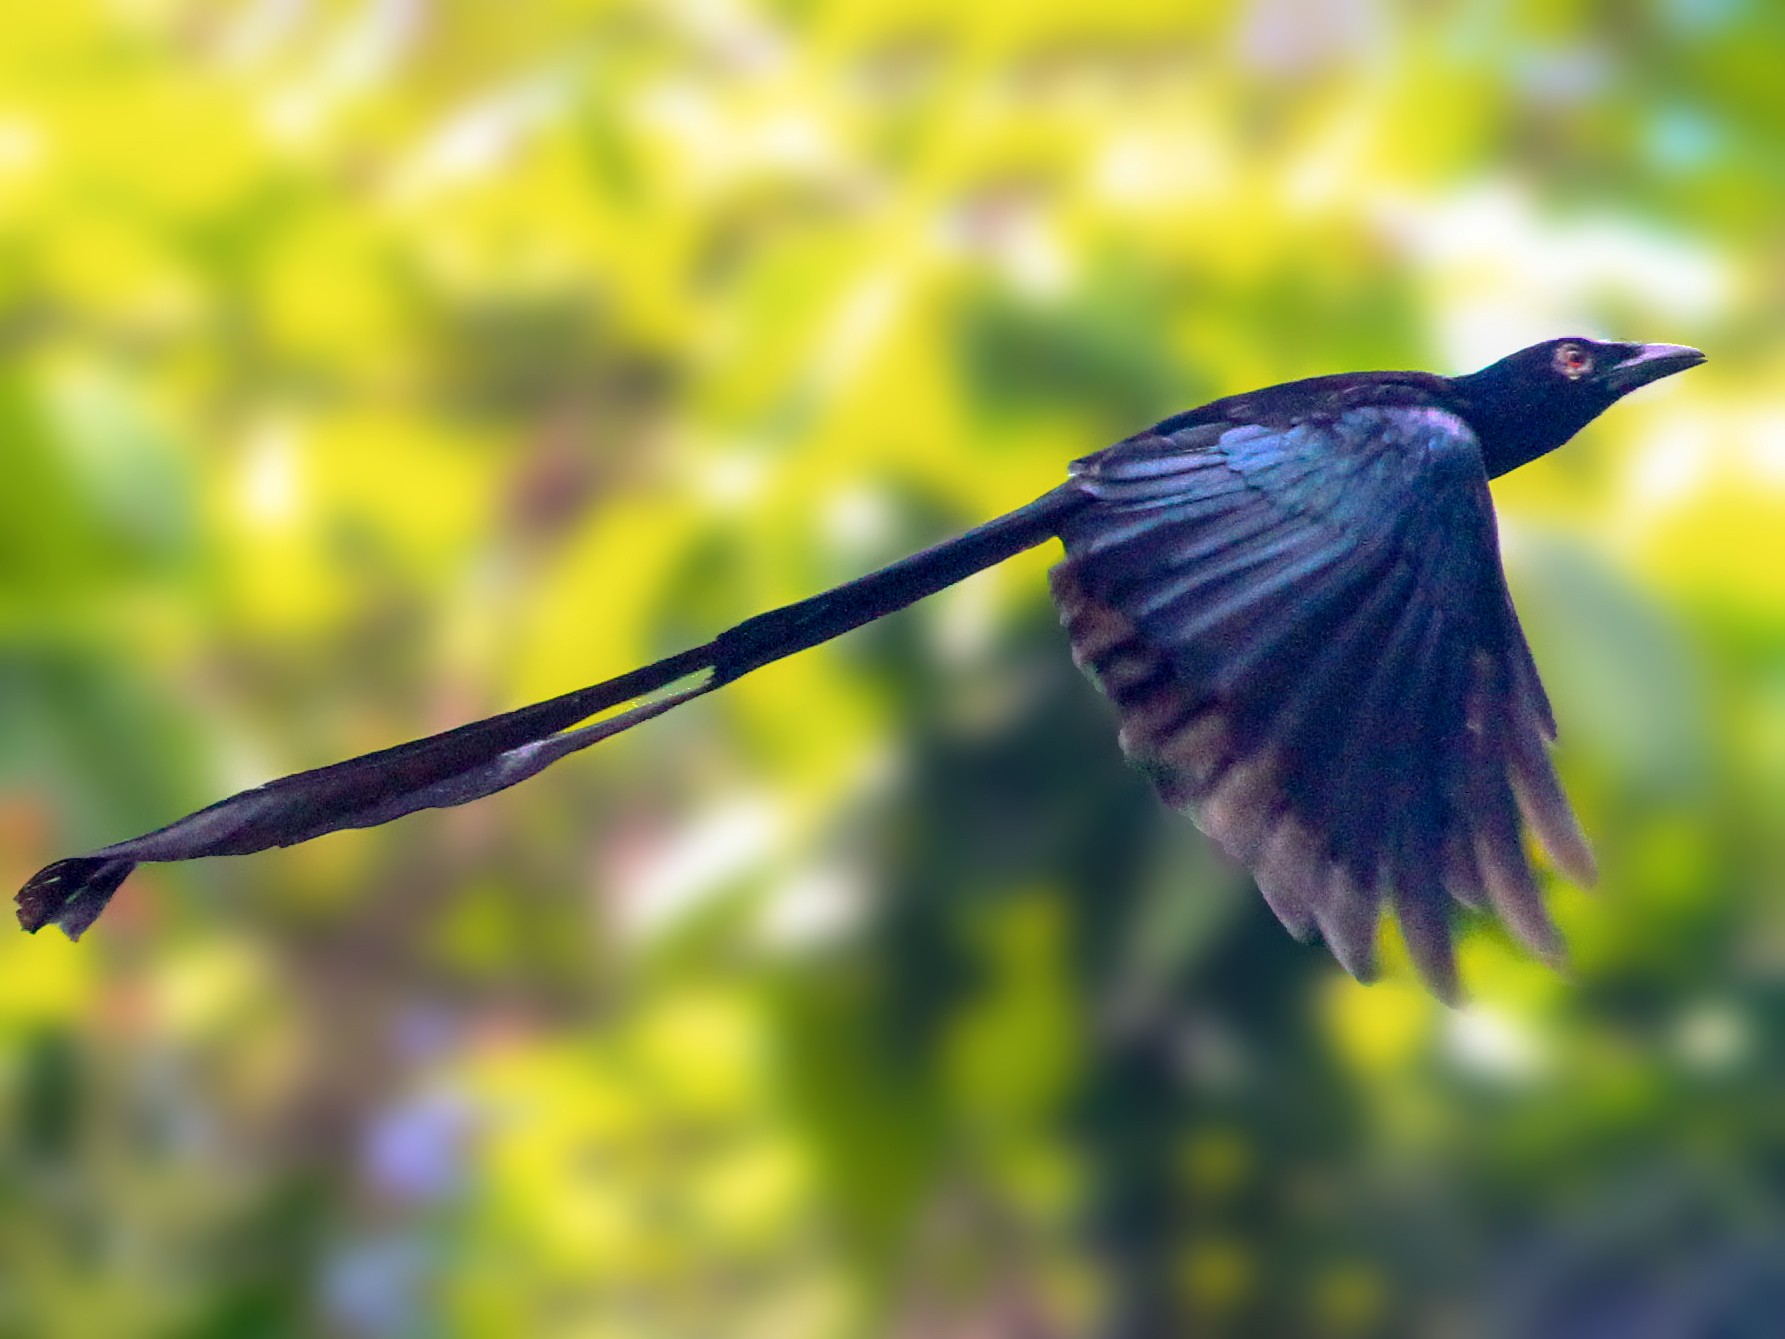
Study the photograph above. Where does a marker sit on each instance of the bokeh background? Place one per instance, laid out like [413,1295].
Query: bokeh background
[368,367]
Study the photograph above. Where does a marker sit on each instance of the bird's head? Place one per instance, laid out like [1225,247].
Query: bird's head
[1532,401]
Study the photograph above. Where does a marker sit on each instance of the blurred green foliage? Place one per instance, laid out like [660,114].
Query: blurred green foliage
[368,367]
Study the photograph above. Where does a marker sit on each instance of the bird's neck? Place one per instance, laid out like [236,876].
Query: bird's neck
[1513,428]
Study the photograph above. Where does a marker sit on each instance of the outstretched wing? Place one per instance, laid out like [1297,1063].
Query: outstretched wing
[1309,638]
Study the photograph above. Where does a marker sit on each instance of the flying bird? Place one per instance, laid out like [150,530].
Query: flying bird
[1293,597]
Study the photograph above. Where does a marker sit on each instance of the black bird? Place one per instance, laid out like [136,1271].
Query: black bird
[1293,597]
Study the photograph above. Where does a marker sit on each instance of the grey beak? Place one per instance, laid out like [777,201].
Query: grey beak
[1649,363]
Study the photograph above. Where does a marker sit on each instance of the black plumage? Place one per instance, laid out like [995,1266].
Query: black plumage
[1293,597]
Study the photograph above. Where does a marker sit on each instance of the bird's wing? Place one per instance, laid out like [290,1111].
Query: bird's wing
[1309,638]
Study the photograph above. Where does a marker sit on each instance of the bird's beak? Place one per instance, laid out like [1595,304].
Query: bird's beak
[1649,363]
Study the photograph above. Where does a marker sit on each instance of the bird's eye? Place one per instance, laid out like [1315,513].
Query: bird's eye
[1573,362]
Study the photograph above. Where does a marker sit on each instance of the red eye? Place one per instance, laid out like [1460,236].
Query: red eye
[1573,362]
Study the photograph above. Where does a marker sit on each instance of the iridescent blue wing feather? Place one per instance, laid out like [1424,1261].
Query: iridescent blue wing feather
[1308,636]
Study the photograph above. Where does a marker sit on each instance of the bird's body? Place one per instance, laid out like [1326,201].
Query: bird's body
[1293,597]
